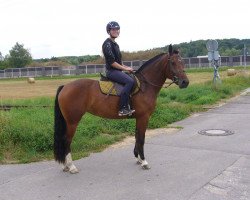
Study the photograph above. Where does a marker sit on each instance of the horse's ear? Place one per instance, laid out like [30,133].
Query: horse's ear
[170,49]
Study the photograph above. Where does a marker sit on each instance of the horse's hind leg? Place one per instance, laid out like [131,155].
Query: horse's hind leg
[68,165]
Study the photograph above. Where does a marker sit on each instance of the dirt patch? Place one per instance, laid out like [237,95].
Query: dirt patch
[22,89]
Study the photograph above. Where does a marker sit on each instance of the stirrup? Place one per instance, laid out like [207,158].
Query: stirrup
[124,112]
[131,111]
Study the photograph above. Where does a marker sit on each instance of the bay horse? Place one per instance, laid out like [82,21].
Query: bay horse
[74,99]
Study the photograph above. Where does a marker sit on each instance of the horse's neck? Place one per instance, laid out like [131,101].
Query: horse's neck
[155,74]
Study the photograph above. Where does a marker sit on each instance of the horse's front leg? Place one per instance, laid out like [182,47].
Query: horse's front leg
[141,126]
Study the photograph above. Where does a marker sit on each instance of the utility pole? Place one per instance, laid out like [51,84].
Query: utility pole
[245,56]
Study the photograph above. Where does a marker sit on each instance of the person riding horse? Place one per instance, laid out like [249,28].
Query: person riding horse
[115,68]
[82,96]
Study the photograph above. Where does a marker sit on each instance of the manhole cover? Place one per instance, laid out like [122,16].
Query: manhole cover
[215,132]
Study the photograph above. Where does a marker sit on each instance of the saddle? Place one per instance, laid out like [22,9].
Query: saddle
[109,87]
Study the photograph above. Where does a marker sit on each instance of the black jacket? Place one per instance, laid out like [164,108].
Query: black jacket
[111,52]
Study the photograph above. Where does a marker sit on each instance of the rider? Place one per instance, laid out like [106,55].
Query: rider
[115,68]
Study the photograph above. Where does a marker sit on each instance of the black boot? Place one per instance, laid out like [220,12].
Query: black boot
[124,112]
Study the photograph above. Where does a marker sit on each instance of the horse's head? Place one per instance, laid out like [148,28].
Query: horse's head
[176,68]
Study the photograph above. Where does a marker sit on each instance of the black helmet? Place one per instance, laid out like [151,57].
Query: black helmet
[112,25]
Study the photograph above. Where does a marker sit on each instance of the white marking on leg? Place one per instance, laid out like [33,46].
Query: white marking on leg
[69,166]
[144,162]
[145,165]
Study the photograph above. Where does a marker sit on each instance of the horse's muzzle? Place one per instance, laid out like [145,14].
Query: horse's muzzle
[183,83]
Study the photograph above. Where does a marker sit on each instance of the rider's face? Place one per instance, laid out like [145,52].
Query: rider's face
[114,33]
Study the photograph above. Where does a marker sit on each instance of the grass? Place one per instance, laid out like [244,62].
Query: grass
[26,134]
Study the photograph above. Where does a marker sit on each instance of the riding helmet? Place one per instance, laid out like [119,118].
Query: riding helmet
[112,25]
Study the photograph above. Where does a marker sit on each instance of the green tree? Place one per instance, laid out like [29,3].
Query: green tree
[19,56]
[231,52]
[1,57]
[2,63]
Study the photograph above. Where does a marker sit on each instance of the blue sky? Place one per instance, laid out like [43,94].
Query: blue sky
[76,27]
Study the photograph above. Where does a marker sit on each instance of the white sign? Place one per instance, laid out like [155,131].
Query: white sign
[212,45]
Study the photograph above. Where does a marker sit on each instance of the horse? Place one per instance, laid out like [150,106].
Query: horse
[76,98]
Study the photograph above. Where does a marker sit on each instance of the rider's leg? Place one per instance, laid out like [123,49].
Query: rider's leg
[128,83]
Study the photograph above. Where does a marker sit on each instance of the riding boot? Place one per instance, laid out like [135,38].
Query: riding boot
[124,112]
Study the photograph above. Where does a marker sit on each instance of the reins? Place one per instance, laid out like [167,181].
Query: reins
[150,83]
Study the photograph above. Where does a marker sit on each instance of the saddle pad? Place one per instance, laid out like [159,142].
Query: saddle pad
[112,88]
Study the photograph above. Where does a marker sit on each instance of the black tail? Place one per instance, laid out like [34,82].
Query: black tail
[60,140]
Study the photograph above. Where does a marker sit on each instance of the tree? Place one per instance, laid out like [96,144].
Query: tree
[1,57]
[231,52]
[2,63]
[19,56]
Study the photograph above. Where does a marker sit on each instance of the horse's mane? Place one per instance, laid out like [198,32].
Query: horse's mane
[149,62]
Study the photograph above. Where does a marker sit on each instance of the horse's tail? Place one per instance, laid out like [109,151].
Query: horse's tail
[60,141]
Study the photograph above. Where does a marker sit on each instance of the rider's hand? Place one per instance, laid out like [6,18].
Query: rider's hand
[129,69]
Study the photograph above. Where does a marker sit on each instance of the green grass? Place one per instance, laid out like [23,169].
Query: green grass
[26,134]
[35,102]
[211,69]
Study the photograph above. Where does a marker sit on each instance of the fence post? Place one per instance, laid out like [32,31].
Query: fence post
[43,71]
[77,70]
[230,61]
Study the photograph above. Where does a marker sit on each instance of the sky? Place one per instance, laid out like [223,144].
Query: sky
[50,28]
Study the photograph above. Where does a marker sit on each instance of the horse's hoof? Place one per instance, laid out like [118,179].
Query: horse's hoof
[74,171]
[65,169]
[139,161]
[146,167]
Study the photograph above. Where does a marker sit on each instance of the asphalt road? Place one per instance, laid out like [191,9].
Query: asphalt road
[184,166]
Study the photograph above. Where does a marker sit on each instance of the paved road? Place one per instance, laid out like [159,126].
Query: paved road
[184,166]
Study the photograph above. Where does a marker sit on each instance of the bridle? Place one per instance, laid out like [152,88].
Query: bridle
[175,79]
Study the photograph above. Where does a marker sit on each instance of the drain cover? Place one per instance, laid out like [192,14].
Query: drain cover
[215,132]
